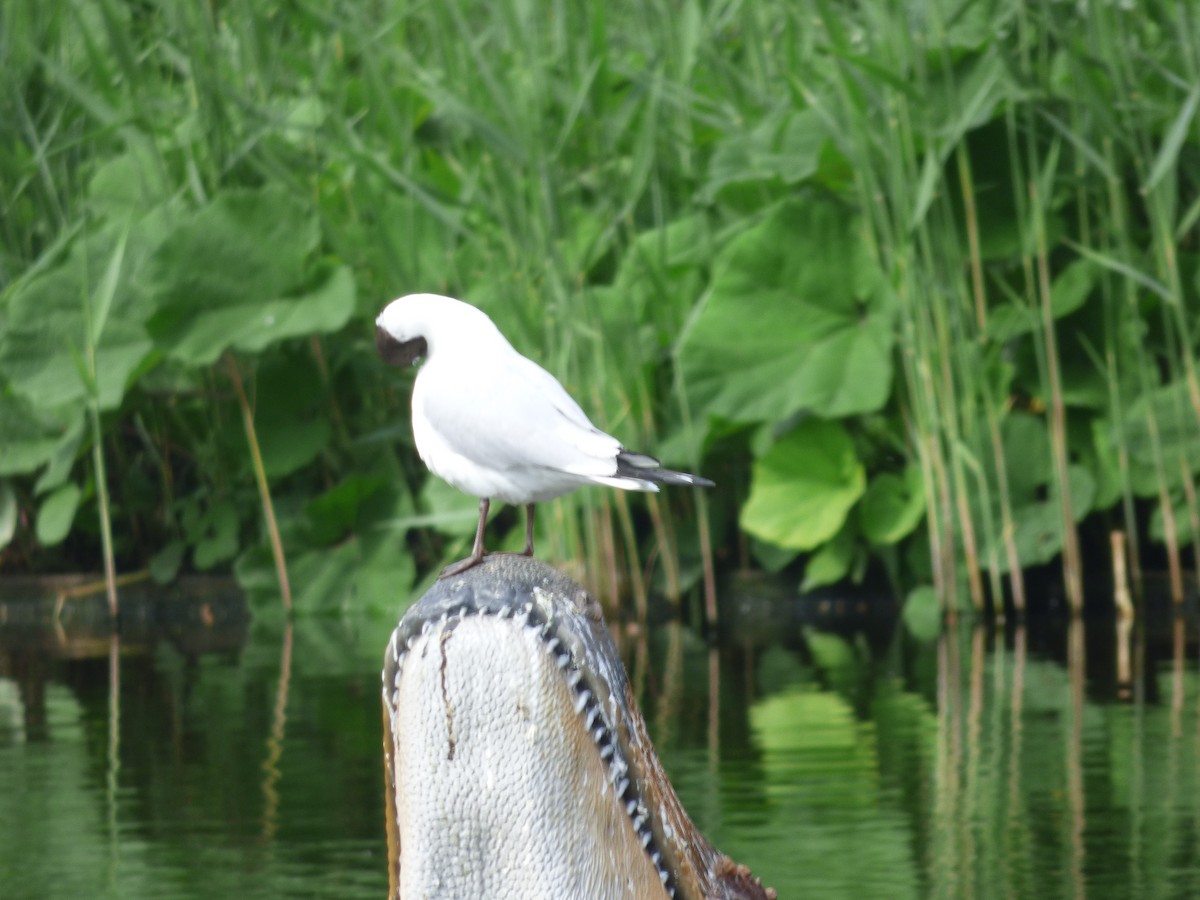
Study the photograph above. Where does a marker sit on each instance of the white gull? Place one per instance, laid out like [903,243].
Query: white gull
[495,424]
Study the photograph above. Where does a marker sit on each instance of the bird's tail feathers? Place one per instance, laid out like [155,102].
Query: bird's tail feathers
[640,467]
[626,483]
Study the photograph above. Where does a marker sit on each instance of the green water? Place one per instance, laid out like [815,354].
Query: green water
[860,763]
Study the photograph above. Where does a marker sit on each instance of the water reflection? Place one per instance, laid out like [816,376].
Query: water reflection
[207,756]
[275,738]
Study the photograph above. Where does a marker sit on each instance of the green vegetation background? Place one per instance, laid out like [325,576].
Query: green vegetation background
[915,283]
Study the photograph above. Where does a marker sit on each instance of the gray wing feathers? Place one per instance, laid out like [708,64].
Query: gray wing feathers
[521,418]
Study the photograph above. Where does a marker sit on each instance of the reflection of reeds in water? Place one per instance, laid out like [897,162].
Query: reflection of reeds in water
[949,850]
[1029,789]
[270,765]
[981,807]
[1066,769]
[1077,798]
[112,769]
[1012,850]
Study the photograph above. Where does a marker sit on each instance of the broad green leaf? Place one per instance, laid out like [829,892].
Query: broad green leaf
[922,613]
[1102,460]
[164,565]
[29,438]
[771,557]
[1183,524]
[831,563]
[244,246]
[336,511]
[323,309]
[370,572]
[1026,455]
[1069,292]
[1038,534]
[803,487]
[253,326]
[1166,410]
[290,445]
[292,416]
[660,276]
[47,331]
[832,653]
[381,574]
[683,243]
[1072,287]
[448,509]
[60,463]
[225,275]
[8,513]
[798,317]
[56,514]
[893,506]
[1037,523]
[125,186]
[1034,502]
[785,147]
[220,540]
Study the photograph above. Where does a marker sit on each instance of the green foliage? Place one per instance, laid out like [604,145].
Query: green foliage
[30,436]
[832,562]
[1033,497]
[214,533]
[892,506]
[360,573]
[231,275]
[56,513]
[922,613]
[798,317]
[48,326]
[955,246]
[808,725]
[804,486]
[8,513]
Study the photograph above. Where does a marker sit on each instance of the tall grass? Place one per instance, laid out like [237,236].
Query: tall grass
[1074,98]
[615,185]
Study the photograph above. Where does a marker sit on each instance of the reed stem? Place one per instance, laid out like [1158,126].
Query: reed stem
[260,476]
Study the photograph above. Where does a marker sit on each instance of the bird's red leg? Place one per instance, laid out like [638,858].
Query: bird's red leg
[477,551]
[528,551]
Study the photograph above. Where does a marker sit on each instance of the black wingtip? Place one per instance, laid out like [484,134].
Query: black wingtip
[647,468]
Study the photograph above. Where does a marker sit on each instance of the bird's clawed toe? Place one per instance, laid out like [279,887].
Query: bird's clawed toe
[462,565]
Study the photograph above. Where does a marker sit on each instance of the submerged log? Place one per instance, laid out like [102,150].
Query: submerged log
[517,762]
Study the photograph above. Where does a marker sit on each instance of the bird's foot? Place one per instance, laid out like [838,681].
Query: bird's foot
[462,565]
[476,558]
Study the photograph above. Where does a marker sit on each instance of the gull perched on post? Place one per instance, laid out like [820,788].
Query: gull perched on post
[495,424]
